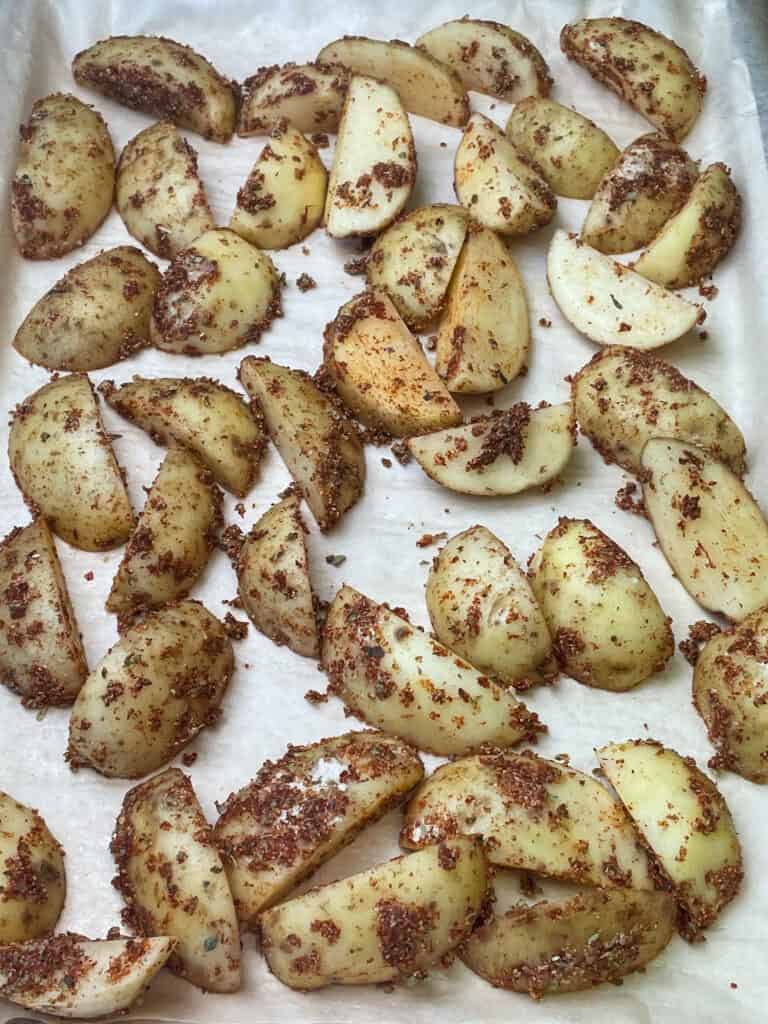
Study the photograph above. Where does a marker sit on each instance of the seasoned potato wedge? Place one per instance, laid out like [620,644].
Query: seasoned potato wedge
[622,398]
[414,259]
[607,625]
[391,922]
[381,372]
[644,67]
[482,606]
[531,814]
[200,414]
[41,653]
[374,164]
[310,96]
[506,453]
[684,821]
[570,945]
[489,57]
[163,78]
[63,463]
[319,446]
[572,152]
[709,526]
[484,337]
[425,85]
[159,193]
[62,187]
[301,810]
[397,678]
[172,879]
[32,880]
[152,692]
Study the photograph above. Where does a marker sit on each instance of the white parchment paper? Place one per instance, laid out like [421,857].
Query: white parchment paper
[721,980]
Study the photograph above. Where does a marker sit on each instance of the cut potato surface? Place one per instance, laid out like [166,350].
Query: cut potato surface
[309,96]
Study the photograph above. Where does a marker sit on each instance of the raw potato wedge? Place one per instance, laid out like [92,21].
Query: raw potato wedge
[172,879]
[425,85]
[163,78]
[684,821]
[611,304]
[506,453]
[310,96]
[607,626]
[32,879]
[623,398]
[709,526]
[94,316]
[570,945]
[374,164]
[644,67]
[151,693]
[174,536]
[85,979]
[62,187]
[401,680]
[502,189]
[389,923]
[381,372]
[649,182]
[63,464]
[319,446]
[159,193]
[301,810]
[531,814]
[41,653]
[414,259]
[572,152]
[201,414]
[693,242]
[484,337]
[490,58]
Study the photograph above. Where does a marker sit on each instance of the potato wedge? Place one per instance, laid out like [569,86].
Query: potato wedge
[159,193]
[506,453]
[151,693]
[709,526]
[374,164]
[489,57]
[310,96]
[201,414]
[502,189]
[63,464]
[32,880]
[685,822]
[41,653]
[94,316]
[481,606]
[693,242]
[484,337]
[397,678]
[425,85]
[414,259]
[381,372]
[649,182]
[172,879]
[644,67]
[62,187]
[69,976]
[391,922]
[623,398]
[570,945]
[163,78]
[301,810]
[607,626]
[572,152]
[531,814]
[319,446]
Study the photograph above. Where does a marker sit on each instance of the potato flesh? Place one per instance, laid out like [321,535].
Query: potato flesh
[309,96]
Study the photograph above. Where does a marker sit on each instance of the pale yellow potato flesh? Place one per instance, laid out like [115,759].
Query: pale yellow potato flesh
[310,96]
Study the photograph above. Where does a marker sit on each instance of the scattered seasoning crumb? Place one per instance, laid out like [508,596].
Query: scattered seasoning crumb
[443,145]
[625,499]
[189,759]
[114,933]
[734,985]
[231,541]
[233,602]
[305,283]
[703,335]
[708,291]
[335,560]
[304,250]
[356,266]
[283,279]
[235,629]
[240,509]
[431,343]
[315,697]
[428,539]
[320,140]
[401,452]
[543,322]
[88,576]
[563,758]
[387,463]
[698,634]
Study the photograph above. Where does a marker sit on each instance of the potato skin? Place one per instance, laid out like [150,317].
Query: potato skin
[310,96]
